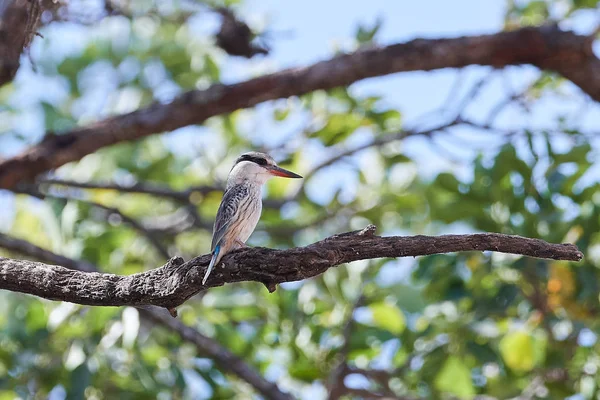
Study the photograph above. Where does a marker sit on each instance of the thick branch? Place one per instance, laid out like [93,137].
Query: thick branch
[175,282]
[226,360]
[545,47]
[14,18]
[19,20]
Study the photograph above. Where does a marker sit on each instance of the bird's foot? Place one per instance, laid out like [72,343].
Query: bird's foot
[239,244]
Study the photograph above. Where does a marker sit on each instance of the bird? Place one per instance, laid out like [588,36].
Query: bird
[241,204]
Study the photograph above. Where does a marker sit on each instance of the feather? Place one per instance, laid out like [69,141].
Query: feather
[227,212]
[213,261]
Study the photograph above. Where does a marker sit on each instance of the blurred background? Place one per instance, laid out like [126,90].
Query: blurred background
[520,160]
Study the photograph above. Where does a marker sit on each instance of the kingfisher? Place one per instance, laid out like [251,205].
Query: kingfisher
[241,205]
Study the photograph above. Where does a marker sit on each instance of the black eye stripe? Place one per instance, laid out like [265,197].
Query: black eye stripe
[256,160]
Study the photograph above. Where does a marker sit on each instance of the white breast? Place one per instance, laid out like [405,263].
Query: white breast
[250,219]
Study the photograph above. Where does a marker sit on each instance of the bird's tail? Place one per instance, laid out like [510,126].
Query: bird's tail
[215,258]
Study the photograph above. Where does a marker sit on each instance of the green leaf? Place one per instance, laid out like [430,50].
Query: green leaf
[389,120]
[447,181]
[281,114]
[576,154]
[388,317]
[409,298]
[517,350]
[535,12]
[80,379]
[7,395]
[455,378]
[55,119]
[36,316]
[366,34]
[585,3]
[304,370]
[212,69]
[338,128]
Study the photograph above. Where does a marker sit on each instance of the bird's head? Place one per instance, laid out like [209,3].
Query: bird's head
[257,167]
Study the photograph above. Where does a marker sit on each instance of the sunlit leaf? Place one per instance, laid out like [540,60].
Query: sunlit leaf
[455,378]
[517,351]
[388,316]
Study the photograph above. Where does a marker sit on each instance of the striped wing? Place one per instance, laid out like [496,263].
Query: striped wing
[227,212]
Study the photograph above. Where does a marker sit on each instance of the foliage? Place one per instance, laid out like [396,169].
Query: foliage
[454,324]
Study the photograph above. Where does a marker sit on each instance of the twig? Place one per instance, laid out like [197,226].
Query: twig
[472,94]
[110,211]
[25,247]
[182,220]
[143,188]
[184,196]
[378,142]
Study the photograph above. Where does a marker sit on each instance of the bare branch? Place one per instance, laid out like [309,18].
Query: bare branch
[24,247]
[183,196]
[546,47]
[378,142]
[182,220]
[144,188]
[226,360]
[175,282]
[108,211]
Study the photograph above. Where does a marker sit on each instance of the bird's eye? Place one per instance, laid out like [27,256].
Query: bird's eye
[260,161]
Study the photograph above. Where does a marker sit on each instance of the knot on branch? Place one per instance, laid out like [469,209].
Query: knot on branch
[368,231]
[176,261]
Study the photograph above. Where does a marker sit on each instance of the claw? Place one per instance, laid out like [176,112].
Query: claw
[240,244]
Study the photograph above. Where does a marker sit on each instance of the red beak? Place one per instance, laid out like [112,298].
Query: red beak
[278,171]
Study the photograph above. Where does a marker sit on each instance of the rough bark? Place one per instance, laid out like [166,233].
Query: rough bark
[175,282]
[545,47]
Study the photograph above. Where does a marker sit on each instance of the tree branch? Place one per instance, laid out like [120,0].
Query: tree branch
[379,142]
[184,196]
[138,187]
[19,20]
[546,47]
[176,281]
[24,247]
[109,212]
[226,360]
